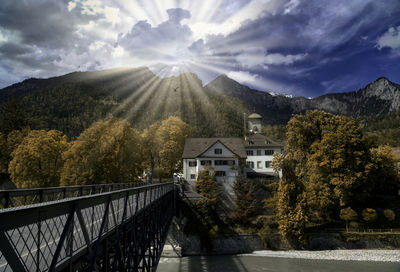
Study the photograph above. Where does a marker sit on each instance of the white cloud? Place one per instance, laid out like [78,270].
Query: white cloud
[3,38]
[258,57]
[252,57]
[96,45]
[279,59]
[251,11]
[168,41]
[112,14]
[118,51]
[71,5]
[291,6]
[92,7]
[390,38]
[243,77]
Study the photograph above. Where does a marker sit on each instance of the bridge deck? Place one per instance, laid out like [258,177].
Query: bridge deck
[122,230]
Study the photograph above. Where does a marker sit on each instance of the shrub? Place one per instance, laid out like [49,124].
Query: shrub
[369,215]
[389,214]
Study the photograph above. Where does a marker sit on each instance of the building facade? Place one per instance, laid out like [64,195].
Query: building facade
[225,155]
[230,157]
[260,151]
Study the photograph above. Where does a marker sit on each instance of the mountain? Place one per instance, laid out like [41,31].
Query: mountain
[72,102]
[377,98]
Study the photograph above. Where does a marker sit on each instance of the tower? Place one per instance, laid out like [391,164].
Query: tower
[254,123]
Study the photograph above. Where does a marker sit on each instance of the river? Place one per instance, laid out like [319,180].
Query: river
[250,263]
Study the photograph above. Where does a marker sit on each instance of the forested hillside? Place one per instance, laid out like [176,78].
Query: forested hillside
[384,129]
[73,102]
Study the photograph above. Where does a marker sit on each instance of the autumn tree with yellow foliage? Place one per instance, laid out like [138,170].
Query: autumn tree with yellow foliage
[109,151]
[328,165]
[163,143]
[37,161]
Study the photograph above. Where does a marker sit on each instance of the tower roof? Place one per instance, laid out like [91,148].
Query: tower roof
[254,116]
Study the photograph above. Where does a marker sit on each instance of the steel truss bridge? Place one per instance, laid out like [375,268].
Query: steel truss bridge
[116,227]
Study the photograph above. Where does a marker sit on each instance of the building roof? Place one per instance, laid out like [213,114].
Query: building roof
[254,116]
[194,147]
[259,140]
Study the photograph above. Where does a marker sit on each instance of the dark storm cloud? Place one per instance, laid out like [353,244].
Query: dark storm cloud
[12,49]
[162,42]
[297,46]
[48,24]
[177,15]
[338,38]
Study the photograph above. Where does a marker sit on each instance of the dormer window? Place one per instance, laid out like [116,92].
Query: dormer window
[267,142]
[251,142]
[218,151]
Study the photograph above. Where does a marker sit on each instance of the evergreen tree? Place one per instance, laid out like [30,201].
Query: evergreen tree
[245,201]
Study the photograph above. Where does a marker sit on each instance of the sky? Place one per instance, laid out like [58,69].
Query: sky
[298,47]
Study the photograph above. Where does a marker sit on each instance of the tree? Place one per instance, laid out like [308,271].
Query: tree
[108,151]
[275,132]
[348,214]
[328,165]
[369,215]
[171,137]
[207,185]
[292,204]
[3,154]
[37,161]
[245,201]
[151,147]
[8,143]
[12,115]
[163,143]
[383,177]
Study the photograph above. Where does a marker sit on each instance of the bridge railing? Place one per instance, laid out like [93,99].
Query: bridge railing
[22,197]
[88,233]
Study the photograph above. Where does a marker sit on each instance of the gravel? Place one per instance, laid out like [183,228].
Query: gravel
[376,255]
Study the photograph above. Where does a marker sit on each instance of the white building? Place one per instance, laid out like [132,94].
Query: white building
[230,157]
[225,155]
[260,151]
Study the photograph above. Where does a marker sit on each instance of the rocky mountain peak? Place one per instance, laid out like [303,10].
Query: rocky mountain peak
[382,88]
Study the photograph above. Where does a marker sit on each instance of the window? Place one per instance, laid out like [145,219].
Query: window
[192,163]
[224,162]
[250,164]
[269,152]
[250,142]
[267,142]
[218,151]
[267,164]
[192,176]
[249,152]
[258,152]
[206,162]
[259,165]
[220,173]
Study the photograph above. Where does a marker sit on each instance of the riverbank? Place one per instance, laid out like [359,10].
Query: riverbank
[376,255]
